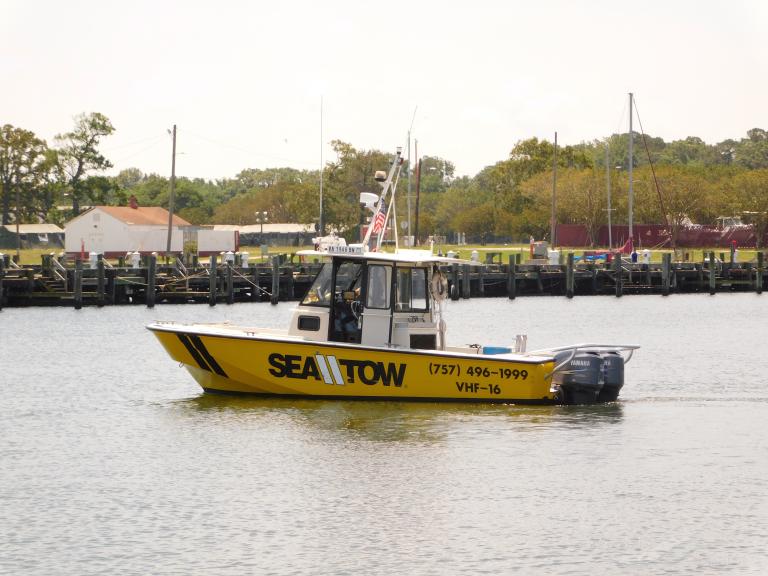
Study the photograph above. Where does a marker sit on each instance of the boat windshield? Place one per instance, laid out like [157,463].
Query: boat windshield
[320,293]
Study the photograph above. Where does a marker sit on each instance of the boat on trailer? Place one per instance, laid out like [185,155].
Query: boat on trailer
[371,326]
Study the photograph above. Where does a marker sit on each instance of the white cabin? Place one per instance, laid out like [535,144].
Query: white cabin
[374,299]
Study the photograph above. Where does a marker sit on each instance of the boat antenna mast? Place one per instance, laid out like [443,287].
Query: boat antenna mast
[383,206]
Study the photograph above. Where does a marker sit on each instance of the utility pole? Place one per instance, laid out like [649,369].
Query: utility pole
[322,221]
[608,188]
[18,221]
[631,194]
[418,190]
[173,190]
[553,231]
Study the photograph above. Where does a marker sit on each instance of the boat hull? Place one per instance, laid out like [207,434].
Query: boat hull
[263,365]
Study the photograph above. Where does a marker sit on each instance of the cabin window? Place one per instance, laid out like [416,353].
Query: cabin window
[320,292]
[411,289]
[379,283]
[309,323]
[347,305]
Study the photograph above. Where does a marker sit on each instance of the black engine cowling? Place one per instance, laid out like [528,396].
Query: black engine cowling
[613,369]
[581,380]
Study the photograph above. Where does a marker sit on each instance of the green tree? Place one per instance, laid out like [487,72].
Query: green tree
[23,162]
[284,202]
[79,154]
[128,178]
[353,172]
[751,199]
[752,151]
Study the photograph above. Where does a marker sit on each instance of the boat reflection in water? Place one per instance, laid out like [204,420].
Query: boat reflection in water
[379,421]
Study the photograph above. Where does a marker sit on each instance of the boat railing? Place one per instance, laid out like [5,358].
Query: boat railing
[584,347]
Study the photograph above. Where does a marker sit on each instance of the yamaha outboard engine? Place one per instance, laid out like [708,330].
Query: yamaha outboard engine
[613,370]
[580,380]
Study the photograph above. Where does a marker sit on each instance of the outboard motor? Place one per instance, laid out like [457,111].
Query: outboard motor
[613,370]
[580,380]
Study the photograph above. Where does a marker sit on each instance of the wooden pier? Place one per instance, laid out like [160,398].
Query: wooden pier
[154,280]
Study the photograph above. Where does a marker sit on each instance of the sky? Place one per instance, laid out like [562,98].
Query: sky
[244,80]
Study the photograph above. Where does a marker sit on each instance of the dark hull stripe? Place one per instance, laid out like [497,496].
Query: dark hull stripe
[195,354]
[207,355]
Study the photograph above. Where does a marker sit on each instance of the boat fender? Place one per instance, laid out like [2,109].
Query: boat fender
[439,286]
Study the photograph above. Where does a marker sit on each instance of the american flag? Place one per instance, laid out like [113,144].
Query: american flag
[378,221]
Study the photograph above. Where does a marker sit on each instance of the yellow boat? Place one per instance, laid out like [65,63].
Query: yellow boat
[371,326]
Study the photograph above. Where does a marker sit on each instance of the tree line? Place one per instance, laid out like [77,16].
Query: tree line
[674,183]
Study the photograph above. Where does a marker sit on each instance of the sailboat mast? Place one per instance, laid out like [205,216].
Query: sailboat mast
[631,192]
[322,221]
[408,199]
[608,188]
[553,231]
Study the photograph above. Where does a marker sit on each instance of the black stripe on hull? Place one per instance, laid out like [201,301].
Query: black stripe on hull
[193,352]
[207,355]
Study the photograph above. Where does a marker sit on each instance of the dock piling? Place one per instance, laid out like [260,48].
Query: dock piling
[619,274]
[465,281]
[758,278]
[230,285]
[256,289]
[2,275]
[455,282]
[212,278]
[666,267]
[78,289]
[481,281]
[569,279]
[273,299]
[112,285]
[100,280]
[151,274]
[511,280]
[712,270]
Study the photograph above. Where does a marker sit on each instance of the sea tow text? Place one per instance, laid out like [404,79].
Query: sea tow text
[332,370]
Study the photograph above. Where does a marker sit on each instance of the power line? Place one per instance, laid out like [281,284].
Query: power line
[152,145]
[135,142]
[246,151]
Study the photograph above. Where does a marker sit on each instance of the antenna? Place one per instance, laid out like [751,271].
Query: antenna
[408,198]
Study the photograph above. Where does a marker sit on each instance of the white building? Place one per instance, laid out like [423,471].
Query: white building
[115,230]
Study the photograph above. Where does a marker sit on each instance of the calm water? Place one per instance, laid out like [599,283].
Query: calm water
[113,462]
